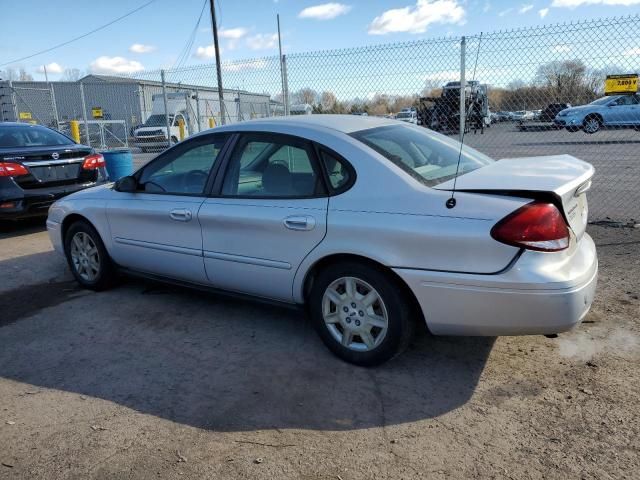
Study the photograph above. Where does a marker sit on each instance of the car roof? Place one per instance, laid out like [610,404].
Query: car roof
[322,122]
[23,125]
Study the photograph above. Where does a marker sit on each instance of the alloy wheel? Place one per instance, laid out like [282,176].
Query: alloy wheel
[85,257]
[355,314]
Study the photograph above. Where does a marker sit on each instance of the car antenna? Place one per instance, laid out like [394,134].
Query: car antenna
[451,202]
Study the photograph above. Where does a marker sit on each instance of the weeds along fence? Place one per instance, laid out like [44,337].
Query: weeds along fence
[516,85]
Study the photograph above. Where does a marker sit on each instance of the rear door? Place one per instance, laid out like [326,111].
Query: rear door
[156,229]
[268,213]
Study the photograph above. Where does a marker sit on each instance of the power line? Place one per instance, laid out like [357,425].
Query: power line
[81,36]
[184,53]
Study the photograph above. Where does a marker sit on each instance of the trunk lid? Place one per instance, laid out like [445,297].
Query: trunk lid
[563,178]
[49,166]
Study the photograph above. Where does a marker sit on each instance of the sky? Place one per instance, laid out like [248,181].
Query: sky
[155,36]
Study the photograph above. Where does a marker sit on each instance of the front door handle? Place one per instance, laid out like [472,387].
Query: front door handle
[180,215]
[303,222]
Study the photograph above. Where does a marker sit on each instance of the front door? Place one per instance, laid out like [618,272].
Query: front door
[156,229]
[269,214]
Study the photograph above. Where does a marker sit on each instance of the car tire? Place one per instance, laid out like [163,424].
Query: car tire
[375,306]
[87,257]
[592,124]
[143,150]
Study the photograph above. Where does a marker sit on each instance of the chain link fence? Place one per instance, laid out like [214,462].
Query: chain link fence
[527,92]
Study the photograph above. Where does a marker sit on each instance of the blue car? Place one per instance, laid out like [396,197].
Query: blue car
[616,111]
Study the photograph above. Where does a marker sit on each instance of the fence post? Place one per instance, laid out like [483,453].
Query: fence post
[463,86]
[55,107]
[198,109]
[286,85]
[14,105]
[84,114]
[166,110]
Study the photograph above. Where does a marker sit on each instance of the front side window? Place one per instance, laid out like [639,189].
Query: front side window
[427,156]
[261,168]
[185,172]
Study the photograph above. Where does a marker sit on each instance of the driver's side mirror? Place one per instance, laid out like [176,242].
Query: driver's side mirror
[613,104]
[126,184]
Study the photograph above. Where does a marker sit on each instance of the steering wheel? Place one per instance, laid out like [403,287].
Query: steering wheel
[194,179]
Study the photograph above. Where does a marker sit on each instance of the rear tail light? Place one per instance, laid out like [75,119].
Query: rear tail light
[93,161]
[12,169]
[535,226]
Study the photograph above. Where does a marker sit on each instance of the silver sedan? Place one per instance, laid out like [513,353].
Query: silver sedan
[373,225]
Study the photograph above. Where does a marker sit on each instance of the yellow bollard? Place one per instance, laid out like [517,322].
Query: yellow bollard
[75,130]
[212,122]
[181,128]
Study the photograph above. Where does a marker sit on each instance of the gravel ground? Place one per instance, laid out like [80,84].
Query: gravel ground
[153,381]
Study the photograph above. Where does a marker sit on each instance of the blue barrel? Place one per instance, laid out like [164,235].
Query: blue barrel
[119,163]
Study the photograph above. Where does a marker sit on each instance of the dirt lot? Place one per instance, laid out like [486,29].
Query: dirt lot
[151,381]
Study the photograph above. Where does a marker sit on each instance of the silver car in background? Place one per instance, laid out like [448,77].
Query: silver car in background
[350,217]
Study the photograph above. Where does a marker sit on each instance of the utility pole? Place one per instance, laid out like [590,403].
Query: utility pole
[214,26]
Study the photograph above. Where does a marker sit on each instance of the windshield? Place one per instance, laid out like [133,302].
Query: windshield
[157,121]
[426,155]
[404,115]
[603,100]
[31,136]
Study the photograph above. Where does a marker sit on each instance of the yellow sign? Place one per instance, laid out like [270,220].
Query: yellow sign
[96,112]
[621,84]
[25,115]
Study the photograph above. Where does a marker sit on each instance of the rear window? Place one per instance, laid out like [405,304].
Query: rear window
[31,136]
[425,155]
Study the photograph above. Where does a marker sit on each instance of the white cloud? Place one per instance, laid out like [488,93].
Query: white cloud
[108,65]
[632,52]
[208,51]
[579,3]
[232,33]
[325,11]
[562,48]
[52,67]
[525,8]
[141,48]
[486,7]
[505,12]
[543,12]
[416,19]
[262,41]
[240,66]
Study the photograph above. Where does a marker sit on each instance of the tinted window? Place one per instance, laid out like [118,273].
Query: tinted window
[426,155]
[183,173]
[339,174]
[31,136]
[270,169]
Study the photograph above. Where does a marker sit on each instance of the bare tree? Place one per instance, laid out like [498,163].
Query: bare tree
[71,74]
[306,95]
[24,76]
[328,101]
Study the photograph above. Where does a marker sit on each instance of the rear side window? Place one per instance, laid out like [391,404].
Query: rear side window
[427,156]
[339,173]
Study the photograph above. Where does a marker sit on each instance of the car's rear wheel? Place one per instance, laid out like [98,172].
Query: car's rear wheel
[592,124]
[87,257]
[361,313]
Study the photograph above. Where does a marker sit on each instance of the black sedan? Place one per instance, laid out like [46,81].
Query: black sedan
[38,165]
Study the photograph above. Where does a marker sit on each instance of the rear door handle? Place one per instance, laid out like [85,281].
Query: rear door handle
[300,222]
[180,215]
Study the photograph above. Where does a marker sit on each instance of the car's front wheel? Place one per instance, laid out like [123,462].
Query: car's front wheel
[361,313]
[592,124]
[87,257]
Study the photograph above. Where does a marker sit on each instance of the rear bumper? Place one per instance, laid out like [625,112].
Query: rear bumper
[18,203]
[539,294]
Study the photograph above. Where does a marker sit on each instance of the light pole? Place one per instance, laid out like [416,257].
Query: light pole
[214,26]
